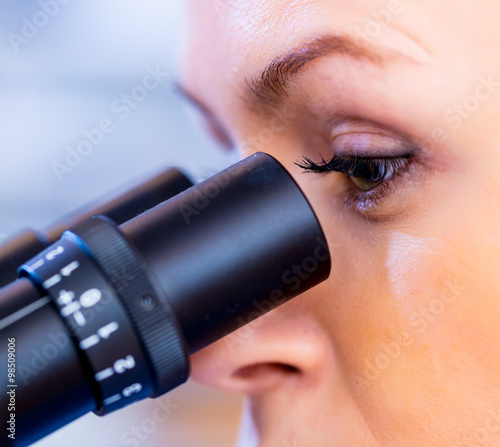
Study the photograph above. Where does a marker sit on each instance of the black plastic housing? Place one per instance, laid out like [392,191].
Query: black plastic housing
[119,207]
[240,239]
[213,258]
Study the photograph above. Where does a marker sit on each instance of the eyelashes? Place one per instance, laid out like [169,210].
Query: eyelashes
[370,178]
[372,169]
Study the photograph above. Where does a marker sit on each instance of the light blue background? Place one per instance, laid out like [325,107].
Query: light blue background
[63,81]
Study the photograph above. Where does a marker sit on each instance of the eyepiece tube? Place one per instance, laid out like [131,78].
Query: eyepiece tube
[119,309]
[247,237]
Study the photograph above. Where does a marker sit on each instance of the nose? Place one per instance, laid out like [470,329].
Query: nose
[287,345]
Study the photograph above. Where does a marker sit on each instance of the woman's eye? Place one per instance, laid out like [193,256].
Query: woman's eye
[365,173]
[372,159]
[372,179]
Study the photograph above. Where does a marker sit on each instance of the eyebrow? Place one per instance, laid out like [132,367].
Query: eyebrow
[269,88]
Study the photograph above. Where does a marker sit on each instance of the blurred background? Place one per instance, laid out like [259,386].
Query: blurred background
[63,66]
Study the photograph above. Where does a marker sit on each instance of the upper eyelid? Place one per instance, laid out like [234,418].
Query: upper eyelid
[399,148]
[375,132]
[369,126]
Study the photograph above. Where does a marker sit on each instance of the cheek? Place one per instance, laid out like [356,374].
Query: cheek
[415,326]
[387,315]
[413,317]
[406,265]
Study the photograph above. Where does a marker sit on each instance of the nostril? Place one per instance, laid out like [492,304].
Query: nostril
[265,370]
[287,368]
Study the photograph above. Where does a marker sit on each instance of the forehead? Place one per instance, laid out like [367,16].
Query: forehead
[265,24]
[239,33]
[229,41]
[257,28]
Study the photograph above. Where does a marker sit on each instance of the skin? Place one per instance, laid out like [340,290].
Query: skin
[399,347]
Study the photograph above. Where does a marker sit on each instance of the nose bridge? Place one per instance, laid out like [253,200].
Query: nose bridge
[282,325]
[285,343]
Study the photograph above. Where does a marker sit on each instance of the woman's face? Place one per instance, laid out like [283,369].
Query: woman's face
[401,346]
